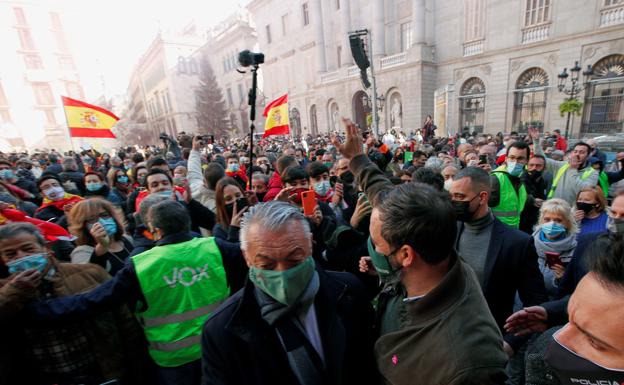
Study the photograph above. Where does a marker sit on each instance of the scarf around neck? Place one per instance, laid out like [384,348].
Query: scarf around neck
[564,246]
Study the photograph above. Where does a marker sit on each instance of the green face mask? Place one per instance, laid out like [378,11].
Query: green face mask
[381,263]
[284,286]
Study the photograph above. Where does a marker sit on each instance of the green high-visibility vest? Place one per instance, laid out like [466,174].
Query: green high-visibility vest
[182,284]
[603,180]
[560,173]
[511,204]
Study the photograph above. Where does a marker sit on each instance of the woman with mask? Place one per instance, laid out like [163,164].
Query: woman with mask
[139,172]
[231,203]
[396,164]
[590,210]
[56,202]
[99,229]
[120,187]
[95,186]
[555,240]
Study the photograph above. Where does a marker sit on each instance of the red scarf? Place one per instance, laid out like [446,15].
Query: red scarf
[60,204]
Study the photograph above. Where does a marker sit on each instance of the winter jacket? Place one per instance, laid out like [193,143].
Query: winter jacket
[274,187]
[115,337]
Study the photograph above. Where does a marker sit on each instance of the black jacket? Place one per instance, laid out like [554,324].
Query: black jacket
[536,188]
[76,177]
[240,348]
[510,266]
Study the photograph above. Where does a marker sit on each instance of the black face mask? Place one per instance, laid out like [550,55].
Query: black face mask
[241,203]
[347,177]
[574,369]
[535,174]
[462,210]
[586,207]
[260,196]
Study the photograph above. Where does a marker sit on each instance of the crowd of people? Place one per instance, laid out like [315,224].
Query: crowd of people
[342,259]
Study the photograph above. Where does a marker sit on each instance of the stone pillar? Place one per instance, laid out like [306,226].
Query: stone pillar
[317,19]
[345,20]
[418,22]
[378,33]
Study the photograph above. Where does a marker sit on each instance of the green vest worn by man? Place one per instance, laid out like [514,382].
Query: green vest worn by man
[182,284]
[510,204]
[586,174]
[603,180]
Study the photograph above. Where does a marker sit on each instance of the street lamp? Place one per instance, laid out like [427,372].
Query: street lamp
[574,89]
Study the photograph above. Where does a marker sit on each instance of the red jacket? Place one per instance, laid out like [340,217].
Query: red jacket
[274,187]
[561,144]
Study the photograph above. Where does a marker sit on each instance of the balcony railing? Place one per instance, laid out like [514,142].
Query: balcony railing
[473,48]
[533,34]
[393,60]
[329,77]
[353,72]
[612,16]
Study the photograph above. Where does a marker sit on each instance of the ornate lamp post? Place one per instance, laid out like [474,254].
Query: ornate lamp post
[574,89]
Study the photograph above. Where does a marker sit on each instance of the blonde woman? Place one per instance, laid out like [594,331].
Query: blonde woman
[555,240]
[590,210]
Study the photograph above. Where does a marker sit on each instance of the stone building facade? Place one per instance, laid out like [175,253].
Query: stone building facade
[38,66]
[480,65]
[161,92]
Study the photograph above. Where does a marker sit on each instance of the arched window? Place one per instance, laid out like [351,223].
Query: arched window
[604,97]
[295,122]
[472,105]
[530,99]
[333,117]
[313,121]
[181,65]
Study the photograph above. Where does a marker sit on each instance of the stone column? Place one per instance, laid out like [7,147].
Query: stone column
[345,20]
[317,19]
[378,33]
[418,22]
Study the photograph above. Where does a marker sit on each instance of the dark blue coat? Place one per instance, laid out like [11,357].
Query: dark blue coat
[240,348]
[510,266]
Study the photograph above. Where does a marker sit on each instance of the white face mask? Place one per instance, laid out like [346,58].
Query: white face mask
[54,193]
[447,184]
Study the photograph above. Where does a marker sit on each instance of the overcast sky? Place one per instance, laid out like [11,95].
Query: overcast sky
[109,36]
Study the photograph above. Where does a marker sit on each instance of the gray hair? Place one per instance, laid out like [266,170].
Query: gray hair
[11,230]
[559,206]
[259,175]
[170,217]
[273,215]
[435,163]
[147,203]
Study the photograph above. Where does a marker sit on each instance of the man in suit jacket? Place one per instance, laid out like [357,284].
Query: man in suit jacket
[503,258]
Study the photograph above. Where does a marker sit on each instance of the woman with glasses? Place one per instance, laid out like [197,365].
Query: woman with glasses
[99,229]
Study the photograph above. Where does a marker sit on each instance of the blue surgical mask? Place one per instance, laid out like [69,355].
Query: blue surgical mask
[234,167]
[164,194]
[34,261]
[7,174]
[514,168]
[109,225]
[96,186]
[322,187]
[122,179]
[553,229]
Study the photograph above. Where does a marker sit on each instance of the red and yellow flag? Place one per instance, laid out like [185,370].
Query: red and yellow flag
[276,114]
[88,121]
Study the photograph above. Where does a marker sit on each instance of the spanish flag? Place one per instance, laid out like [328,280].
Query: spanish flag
[276,114]
[88,121]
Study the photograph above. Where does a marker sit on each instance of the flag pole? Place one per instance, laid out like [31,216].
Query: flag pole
[252,118]
[71,139]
